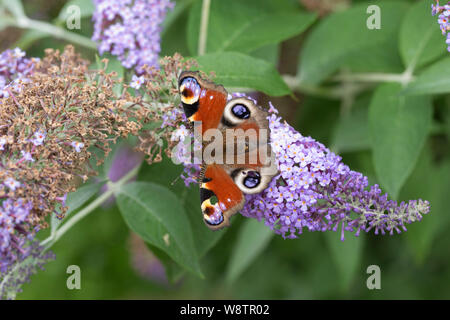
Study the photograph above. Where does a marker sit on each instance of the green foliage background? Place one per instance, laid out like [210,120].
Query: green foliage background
[379,98]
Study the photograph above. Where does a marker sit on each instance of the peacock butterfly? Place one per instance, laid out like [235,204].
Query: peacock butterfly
[249,165]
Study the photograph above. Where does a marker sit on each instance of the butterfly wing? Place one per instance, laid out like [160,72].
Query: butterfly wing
[202,100]
[220,197]
[223,185]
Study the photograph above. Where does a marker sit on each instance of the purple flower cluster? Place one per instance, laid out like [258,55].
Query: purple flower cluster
[20,253]
[130,30]
[34,258]
[14,68]
[16,231]
[315,190]
[183,154]
[13,231]
[443,13]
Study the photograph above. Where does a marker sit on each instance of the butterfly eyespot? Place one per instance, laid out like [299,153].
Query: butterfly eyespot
[252,180]
[240,111]
[237,111]
[189,90]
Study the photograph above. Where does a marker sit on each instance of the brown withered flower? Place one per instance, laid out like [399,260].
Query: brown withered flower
[52,126]
[159,93]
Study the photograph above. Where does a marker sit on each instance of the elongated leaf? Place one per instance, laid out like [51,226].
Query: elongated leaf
[420,40]
[238,70]
[158,217]
[75,200]
[432,80]
[174,15]
[351,132]
[398,128]
[253,238]
[268,29]
[78,198]
[243,26]
[432,183]
[173,270]
[346,256]
[167,174]
[172,40]
[344,39]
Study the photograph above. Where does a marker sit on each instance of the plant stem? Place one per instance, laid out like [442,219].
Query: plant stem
[203,35]
[112,188]
[375,77]
[55,31]
[335,92]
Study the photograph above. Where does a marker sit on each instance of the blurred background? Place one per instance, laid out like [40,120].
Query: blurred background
[116,264]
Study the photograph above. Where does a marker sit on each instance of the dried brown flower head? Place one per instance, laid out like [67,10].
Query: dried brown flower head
[161,99]
[51,128]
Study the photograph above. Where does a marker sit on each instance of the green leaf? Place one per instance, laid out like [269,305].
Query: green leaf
[346,256]
[75,200]
[398,128]
[78,198]
[420,40]
[29,37]
[269,53]
[243,26]
[15,7]
[433,80]
[158,217]
[172,269]
[86,9]
[241,71]
[173,15]
[343,40]
[172,40]
[351,132]
[167,174]
[268,29]
[431,182]
[253,238]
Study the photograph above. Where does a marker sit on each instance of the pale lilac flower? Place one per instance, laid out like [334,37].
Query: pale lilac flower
[11,183]
[2,143]
[180,134]
[443,13]
[272,109]
[136,81]
[130,30]
[39,137]
[26,256]
[77,145]
[16,238]
[171,118]
[14,68]
[27,156]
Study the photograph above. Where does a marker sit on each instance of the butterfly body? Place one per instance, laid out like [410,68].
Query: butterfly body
[239,130]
